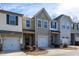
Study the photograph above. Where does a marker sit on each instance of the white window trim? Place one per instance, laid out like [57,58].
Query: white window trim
[30,24]
[47,23]
[41,23]
[78,26]
[10,20]
[54,25]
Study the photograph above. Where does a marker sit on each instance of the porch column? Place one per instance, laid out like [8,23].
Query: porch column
[30,41]
[1,39]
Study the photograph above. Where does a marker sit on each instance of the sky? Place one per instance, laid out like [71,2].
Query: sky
[53,9]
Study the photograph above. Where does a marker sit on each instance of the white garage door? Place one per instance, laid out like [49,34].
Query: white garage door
[66,41]
[77,38]
[11,44]
[43,41]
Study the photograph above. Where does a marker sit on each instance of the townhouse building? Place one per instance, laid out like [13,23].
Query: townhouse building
[45,32]
[28,25]
[42,31]
[10,30]
[55,33]
[18,31]
[36,29]
[64,29]
[75,34]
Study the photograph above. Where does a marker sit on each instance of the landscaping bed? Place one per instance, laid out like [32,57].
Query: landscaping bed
[37,52]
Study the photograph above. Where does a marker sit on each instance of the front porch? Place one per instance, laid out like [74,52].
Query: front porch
[29,40]
[55,39]
[75,39]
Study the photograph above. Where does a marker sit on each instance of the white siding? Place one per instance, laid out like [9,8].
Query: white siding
[76,37]
[4,26]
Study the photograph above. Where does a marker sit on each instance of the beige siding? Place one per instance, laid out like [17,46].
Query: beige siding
[4,26]
[42,31]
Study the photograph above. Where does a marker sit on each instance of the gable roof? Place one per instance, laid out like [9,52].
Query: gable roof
[10,12]
[58,18]
[43,11]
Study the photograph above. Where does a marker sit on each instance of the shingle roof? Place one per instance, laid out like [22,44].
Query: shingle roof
[4,11]
[61,16]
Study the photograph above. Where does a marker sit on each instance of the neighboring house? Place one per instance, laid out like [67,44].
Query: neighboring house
[28,31]
[42,31]
[55,33]
[75,33]
[64,28]
[10,30]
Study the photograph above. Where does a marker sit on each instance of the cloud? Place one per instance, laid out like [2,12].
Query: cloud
[54,9]
[29,8]
[69,9]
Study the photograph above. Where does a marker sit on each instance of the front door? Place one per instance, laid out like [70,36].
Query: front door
[52,40]
[28,40]
[72,39]
[55,41]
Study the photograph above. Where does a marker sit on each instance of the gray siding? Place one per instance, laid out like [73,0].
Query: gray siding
[65,32]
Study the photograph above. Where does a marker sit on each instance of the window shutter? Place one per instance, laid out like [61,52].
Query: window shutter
[16,20]
[51,24]
[7,19]
[55,24]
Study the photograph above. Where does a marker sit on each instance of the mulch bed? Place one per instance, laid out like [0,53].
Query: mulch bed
[36,52]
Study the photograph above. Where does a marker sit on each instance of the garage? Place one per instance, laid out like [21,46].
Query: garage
[11,44]
[43,41]
[66,41]
[77,38]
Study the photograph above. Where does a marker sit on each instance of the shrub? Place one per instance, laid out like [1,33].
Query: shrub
[65,45]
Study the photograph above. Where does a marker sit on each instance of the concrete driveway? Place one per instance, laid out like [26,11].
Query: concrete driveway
[49,52]
[75,53]
[16,53]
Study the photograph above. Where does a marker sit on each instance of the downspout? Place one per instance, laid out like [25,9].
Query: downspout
[22,37]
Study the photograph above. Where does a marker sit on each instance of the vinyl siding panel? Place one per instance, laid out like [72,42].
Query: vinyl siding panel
[65,32]
[32,24]
[42,31]
[5,26]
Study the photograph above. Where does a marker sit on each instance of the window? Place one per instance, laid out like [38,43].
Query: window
[72,25]
[77,26]
[27,23]
[12,20]
[63,26]
[39,23]
[53,24]
[45,24]
[67,27]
